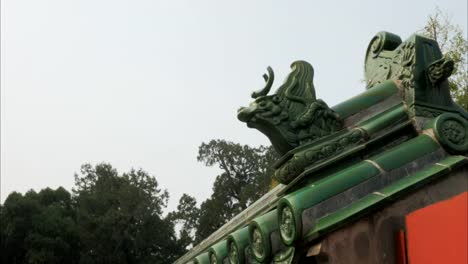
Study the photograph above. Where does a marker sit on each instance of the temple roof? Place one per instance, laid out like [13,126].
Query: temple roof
[343,162]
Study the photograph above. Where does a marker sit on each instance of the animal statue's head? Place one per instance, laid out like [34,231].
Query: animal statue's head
[293,115]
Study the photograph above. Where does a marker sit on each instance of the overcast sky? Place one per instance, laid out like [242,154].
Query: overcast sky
[142,83]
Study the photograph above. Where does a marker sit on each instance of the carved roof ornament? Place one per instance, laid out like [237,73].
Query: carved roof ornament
[292,116]
[419,65]
[308,133]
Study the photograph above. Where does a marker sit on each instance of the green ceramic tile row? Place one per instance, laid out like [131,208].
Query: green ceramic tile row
[396,114]
[321,190]
[339,182]
[260,230]
[218,252]
[375,199]
[366,99]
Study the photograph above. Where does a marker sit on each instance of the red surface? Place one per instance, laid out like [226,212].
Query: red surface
[400,247]
[438,233]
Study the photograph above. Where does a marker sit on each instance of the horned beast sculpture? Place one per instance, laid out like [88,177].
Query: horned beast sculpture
[293,116]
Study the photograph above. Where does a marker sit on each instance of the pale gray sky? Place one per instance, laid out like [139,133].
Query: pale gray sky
[142,83]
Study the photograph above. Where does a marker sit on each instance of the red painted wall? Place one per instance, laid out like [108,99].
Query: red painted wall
[439,233]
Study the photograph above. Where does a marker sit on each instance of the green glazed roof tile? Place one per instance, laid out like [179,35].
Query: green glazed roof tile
[391,192]
[366,99]
[240,240]
[329,186]
[384,119]
[219,250]
[265,225]
[406,152]
[202,259]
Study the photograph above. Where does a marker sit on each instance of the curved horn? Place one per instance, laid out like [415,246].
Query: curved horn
[269,82]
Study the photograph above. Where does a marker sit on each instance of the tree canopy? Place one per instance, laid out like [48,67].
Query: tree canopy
[120,217]
[109,218]
[39,228]
[245,176]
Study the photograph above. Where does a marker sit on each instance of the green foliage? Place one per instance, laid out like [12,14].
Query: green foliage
[186,216]
[245,177]
[111,218]
[455,46]
[120,217]
[39,228]
[246,171]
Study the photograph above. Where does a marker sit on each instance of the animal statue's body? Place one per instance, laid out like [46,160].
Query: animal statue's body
[293,115]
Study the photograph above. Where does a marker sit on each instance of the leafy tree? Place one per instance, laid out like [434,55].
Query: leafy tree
[120,217]
[187,216]
[17,214]
[111,218]
[39,228]
[246,171]
[455,46]
[245,177]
